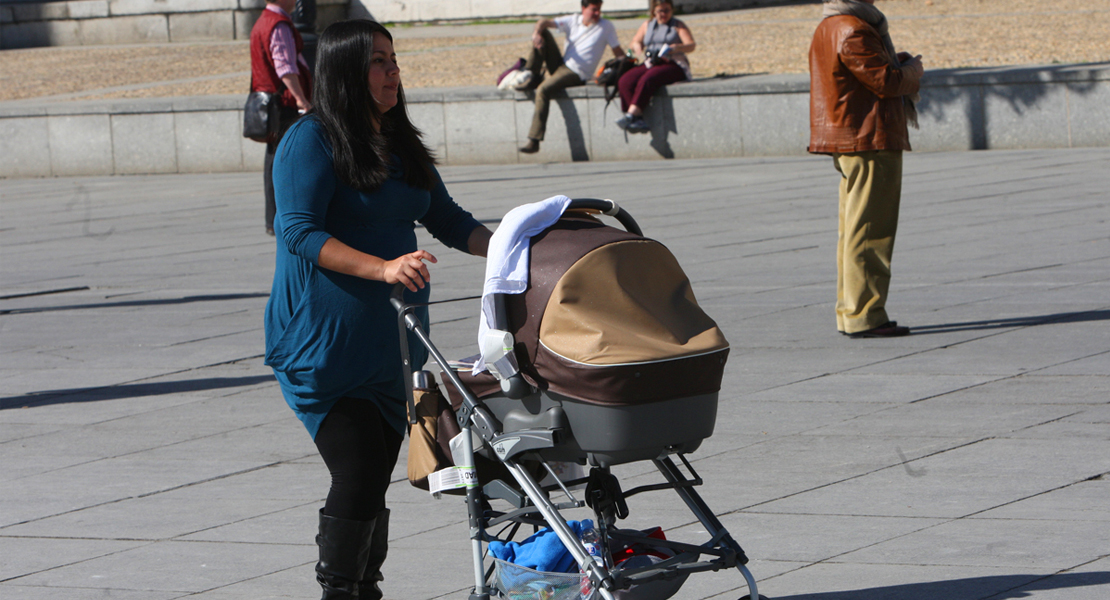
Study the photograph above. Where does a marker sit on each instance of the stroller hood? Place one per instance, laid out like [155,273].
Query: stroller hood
[610,317]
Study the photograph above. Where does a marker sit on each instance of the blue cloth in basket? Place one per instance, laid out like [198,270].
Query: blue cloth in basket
[542,551]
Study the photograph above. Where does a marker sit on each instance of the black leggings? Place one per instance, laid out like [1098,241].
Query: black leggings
[360,450]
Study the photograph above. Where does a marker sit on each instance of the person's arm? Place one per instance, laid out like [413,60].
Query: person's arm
[408,269]
[293,82]
[537,33]
[283,51]
[638,40]
[478,244]
[451,224]
[617,51]
[686,38]
[864,55]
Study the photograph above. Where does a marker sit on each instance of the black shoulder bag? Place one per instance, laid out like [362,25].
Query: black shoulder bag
[261,115]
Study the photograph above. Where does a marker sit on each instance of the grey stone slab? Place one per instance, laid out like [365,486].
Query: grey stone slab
[429,119]
[964,480]
[244,21]
[1014,113]
[177,566]
[41,33]
[208,141]
[1084,582]
[569,131]
[42,592]
[290,525]
[137,29]
[152,518]
[705,127]
[88,9]
[27,555]
[14,432]
[949,415]
[608,142]
[975,542]
[774,124]
[104,481]
[949,118]
[480,132]
[138,7]
[301,481]
[852,387]
[1080,502]
[1088,125]
[202,27]
[144,144]
[852,581]
[814,538]
[24,146]
[295,582]
[254,153]
[80,145]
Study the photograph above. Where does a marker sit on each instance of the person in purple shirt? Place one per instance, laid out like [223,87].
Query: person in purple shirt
[278,67]
[351,180]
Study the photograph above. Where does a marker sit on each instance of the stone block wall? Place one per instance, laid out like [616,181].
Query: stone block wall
[95,22]
[35,23]
[404,11]
[766,115]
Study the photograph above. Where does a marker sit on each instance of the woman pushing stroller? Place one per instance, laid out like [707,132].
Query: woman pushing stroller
[350,181]
[663,41]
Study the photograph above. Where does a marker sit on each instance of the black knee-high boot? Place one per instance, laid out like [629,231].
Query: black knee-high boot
[344,546]
[379,546]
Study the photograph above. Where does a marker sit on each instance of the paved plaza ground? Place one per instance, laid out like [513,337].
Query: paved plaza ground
[148,455]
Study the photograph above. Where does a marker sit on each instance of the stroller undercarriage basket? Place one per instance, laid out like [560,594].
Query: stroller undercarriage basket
[618,364]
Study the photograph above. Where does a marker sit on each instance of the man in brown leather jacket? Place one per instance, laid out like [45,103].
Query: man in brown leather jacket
[861,96]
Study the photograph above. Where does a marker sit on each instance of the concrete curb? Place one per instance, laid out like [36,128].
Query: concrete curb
[1059,106]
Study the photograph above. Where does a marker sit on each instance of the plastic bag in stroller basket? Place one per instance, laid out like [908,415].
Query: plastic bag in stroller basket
[515,582]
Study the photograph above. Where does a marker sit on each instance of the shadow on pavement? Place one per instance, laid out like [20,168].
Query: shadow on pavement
[1072,317]
[973,588]
[132,390]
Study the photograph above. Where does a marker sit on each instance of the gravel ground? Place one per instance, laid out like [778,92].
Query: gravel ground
[948,33]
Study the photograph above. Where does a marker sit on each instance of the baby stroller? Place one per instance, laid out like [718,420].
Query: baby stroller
[617,364]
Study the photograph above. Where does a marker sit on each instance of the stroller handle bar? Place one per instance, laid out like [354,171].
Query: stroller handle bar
[607,207]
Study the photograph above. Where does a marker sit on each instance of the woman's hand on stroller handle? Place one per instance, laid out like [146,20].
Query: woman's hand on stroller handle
[409,270]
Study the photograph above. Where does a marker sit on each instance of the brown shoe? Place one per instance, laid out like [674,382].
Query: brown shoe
[532,147]
[888,329]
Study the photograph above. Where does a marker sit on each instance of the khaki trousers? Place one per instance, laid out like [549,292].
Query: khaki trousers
[559,77]
[870,192]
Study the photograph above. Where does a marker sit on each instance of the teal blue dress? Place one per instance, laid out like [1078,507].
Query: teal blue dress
[330,335]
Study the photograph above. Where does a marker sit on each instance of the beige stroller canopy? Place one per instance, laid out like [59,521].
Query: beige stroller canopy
[609,317]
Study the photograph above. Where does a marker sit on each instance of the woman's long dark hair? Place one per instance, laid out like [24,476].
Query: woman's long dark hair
[342,102]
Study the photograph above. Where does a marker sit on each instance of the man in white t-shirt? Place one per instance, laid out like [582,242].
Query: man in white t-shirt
[587,36]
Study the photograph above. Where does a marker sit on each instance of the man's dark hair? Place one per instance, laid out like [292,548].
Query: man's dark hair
[586,3]
[342,102]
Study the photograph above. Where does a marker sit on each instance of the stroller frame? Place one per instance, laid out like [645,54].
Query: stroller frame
[513,448]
